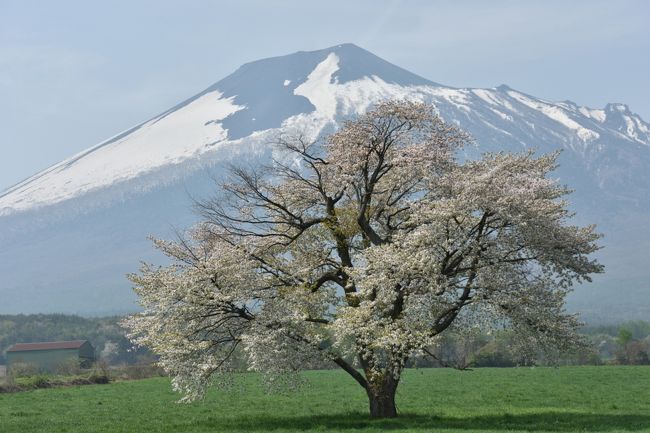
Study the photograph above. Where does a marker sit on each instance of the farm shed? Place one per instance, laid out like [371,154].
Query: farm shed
[52,355]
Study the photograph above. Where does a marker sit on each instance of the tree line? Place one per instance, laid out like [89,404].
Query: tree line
[104,333]
[626,343]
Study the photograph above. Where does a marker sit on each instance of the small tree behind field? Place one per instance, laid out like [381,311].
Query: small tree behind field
[364,250]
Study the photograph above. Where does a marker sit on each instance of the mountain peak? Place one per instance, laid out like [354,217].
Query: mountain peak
[275,79]
[354,63]
[340,48]
[613,107]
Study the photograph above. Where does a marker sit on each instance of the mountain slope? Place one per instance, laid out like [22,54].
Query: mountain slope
[71,232]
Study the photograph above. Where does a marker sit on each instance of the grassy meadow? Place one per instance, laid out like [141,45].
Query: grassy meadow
[567,399]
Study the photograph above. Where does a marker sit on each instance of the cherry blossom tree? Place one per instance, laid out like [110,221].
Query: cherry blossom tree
[363,249]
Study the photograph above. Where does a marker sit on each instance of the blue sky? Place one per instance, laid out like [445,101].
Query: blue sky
[73,73]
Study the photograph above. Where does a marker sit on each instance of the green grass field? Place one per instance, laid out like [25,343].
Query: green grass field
[569,399]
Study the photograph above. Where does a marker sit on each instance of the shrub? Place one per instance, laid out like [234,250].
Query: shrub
[68,367]
[36,381]
[23,369]
[8,384]
[493,354]
[99,378]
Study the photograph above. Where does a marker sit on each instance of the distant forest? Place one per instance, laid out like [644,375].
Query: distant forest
[624,343]
[104,333]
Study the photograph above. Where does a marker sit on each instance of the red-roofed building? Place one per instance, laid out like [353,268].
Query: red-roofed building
[50,356]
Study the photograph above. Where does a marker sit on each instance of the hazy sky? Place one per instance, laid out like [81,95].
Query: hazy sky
[73,73]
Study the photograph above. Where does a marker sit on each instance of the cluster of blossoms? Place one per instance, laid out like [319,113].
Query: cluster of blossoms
[361,250]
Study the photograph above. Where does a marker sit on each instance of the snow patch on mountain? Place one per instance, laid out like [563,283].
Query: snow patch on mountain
[317,88]
[333,99]
[556,113]
[164,140]
[598,115]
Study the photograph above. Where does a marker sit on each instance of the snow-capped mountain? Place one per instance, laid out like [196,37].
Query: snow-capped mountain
[69,234]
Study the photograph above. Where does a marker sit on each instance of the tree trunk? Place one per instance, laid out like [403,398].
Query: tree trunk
[381,396]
